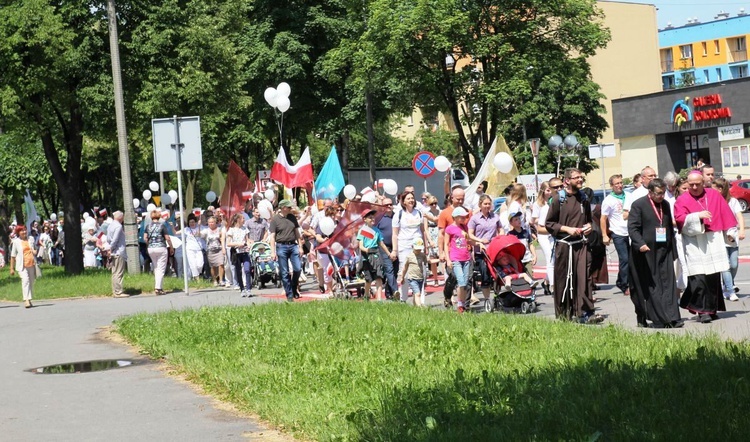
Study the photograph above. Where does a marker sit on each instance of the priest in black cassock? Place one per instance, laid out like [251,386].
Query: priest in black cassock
[652,253]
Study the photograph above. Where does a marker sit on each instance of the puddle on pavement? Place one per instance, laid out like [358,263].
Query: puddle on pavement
[83,367]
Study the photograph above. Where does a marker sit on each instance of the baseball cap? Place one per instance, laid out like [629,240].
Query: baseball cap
[513,215]
[418,244]
[367,212]
[459,211]
[285,203]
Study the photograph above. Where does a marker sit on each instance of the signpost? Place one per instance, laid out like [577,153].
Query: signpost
[177,147]
[602,151]
[424,165]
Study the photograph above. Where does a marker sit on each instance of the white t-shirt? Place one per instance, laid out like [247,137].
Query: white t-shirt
[409,226]
[613,208]
[540,214]
[637,193]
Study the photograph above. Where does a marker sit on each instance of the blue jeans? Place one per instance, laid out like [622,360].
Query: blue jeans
[415,285]
[391,286]
[243,266]
[286,253]
[727,277]
[462,272]
[621,246]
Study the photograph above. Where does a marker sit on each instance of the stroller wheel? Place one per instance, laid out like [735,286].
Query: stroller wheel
[489,305]
[524,307]
[532,307]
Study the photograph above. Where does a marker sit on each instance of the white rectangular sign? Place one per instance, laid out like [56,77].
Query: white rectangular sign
[595,150]
[733,132]
[164,136]
[528,181]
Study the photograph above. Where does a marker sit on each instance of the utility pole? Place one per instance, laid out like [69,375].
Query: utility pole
[370,135]
[131,232]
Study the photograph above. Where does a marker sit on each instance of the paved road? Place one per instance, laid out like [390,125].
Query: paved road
[142,401]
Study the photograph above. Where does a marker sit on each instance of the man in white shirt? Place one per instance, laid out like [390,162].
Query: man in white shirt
[647,174]
[614,213]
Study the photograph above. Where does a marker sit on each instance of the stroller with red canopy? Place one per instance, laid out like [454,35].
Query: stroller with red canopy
[520,296]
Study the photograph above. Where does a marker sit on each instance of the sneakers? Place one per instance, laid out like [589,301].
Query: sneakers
[27,304]
[216,283]
[121,295]
[535,284]
[244,293]
[734,297]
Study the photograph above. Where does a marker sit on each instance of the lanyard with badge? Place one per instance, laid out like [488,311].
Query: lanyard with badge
[661,232]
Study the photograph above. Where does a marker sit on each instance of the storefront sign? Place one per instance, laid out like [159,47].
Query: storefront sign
[705,108]
[733,132]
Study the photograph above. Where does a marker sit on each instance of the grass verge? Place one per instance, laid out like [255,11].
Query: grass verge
[387,372]
[55,284]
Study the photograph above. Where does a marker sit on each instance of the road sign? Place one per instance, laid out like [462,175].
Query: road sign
[164,136]
[424,164]
[602,151]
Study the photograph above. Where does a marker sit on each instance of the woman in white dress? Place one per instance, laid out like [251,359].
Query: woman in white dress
[539,210]
[194,246]
[89,246]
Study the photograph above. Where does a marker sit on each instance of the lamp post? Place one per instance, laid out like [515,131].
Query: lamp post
[557,143]
[534,145]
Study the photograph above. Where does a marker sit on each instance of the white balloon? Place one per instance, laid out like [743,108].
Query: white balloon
[503,162]
[151,207]
[270,95]
[283,90]
[211,196]
[336,248]
[146,194]
[442,163]
[266,204]
[154,186]
[327,225]
[166,199]
[136,202]
[53,217]
[282,104]
[270,195]
[371,198]
[173,195]
[390,187]
[350,191]
[264,213]
[86,215]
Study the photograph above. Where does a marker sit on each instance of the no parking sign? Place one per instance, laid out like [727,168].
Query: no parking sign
[424,164]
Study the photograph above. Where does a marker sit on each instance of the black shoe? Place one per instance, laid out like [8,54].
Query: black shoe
[674,324]
[714,316]
[296,295]
[447,303]
[705,319]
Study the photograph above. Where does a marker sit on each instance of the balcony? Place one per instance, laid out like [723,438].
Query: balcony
[738,56]
[667,66]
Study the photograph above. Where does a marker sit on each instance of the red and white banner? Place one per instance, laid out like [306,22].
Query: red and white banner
[293,176]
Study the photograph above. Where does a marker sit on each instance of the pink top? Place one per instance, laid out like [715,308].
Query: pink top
[459,244]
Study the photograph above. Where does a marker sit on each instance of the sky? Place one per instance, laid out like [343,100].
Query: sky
[678,11]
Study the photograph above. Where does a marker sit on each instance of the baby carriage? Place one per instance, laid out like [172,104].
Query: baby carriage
[520,296]
[342,287]
[264,268]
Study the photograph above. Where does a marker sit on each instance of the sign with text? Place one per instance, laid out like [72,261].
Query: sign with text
[733,132]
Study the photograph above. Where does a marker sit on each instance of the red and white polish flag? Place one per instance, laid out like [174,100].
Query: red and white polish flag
[293,176]
[367,232]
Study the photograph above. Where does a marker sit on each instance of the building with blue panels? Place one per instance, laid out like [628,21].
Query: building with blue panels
[704,53]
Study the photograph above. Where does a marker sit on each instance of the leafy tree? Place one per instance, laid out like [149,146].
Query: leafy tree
[493,66]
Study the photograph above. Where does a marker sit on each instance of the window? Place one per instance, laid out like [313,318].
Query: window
[705,49]
[686,51]
[740,43]
[718,74]
[717,48]
[411,121]
[705,75]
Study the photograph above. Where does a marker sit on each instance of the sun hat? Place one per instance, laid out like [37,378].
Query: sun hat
[459,211]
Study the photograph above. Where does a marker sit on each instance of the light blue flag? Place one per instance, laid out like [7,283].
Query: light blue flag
[330,178]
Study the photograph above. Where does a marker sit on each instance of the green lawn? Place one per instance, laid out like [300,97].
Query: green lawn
[55,283]
[389,372]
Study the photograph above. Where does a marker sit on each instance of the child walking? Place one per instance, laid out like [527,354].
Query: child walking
[370,238]
[414,272]
[459,253]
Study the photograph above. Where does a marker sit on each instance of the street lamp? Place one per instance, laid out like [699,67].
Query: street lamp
[557,143]
[534,145]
